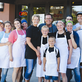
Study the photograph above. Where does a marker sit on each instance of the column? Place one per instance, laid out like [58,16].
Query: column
[67,8]
[30,13]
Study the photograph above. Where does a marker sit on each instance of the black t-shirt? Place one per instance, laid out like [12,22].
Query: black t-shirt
[51,50]
[35,34]
[44,40]
[60,35]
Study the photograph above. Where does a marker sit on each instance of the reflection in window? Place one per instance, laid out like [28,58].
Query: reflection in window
[38,10]
[57,12]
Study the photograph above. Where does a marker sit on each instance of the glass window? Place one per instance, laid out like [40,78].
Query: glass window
[57,12]
[76,9]
[38,10]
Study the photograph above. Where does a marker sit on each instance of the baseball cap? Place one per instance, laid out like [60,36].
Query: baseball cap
[79,13]
[23,20]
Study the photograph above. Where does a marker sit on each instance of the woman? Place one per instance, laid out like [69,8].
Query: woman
[4,50]
[75,54]
[17,39]
[32,47]
[62,42]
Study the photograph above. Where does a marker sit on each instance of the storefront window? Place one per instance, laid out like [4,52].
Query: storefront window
[24,12]
[76,9]
[57,12]
[39,10]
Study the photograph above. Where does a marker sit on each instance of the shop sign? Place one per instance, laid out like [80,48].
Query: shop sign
[23,13]
[58,15]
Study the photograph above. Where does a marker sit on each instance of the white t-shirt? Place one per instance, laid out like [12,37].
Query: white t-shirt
[78,25]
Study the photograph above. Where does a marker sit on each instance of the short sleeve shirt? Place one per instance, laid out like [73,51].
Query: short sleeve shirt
[13,35]
[35,35]
[51,50]
[51,29]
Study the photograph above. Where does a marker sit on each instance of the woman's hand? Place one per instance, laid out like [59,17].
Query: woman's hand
[11,58]
[71,35]
[69,61]
[37,53]
[57,69]
[44,68]
[39,61]
[7,43]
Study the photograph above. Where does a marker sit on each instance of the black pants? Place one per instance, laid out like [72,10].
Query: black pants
[21,78]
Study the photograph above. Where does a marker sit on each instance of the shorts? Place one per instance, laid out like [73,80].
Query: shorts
[51,77]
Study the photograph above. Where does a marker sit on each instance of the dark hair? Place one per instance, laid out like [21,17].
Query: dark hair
[17,19]
[48,14]
[7,22]
[69,16]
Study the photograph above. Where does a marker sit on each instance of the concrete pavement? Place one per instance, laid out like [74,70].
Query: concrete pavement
[33,78]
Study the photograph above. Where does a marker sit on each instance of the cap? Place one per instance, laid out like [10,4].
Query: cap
[1,21]
[79,13]
[23,20]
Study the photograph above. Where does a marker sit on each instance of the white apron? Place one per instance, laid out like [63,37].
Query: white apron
[18,51]
[74,58]
[4,54]
[61,44]
[51,63]
[80,41]
[39,69]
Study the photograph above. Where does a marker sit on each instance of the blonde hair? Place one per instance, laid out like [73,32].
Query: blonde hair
[35,15]
[45,26]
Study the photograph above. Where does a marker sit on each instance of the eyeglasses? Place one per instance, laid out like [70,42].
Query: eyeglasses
[69,19]
[48,18]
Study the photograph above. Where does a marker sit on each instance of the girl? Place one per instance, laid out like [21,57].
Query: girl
[44,44]
[4,50]
[62,38]
[17,40]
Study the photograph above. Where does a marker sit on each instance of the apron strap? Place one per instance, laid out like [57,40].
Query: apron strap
[17,32]
[23,32]
[4,35]
[57,35]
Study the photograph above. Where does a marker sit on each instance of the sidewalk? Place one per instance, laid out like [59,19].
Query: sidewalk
[33,78]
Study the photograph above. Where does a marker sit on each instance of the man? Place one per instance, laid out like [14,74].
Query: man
[79,19]
[24,24]
[79,31]
[24,27]
[48,21]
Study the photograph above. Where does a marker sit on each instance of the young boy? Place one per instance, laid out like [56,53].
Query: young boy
[51,61]
[44,44]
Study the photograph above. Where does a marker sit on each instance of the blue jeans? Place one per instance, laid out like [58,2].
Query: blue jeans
[30,63]
[76,74]
[51,77]
[4,74]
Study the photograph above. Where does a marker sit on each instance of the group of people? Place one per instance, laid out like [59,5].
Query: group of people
[56,50]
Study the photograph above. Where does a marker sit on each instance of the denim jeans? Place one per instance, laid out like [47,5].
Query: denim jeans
[76,74]
[30,63]
[4,74]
